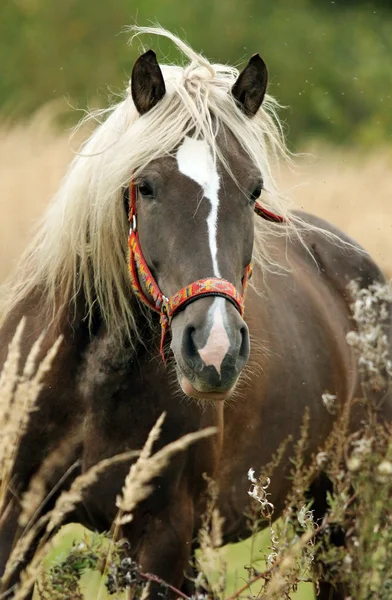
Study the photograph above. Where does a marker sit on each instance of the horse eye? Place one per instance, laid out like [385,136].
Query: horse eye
[256,192]
[145,189]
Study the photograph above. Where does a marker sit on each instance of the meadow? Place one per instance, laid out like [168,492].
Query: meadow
[352,189]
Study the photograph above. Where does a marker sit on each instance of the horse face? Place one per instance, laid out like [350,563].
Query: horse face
[196,221]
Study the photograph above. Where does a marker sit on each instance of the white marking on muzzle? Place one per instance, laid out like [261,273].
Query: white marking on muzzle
[195,160]
[218,342]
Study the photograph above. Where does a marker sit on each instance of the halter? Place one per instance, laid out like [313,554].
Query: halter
[147,290]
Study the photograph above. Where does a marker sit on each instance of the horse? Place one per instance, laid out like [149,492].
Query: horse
[181,282]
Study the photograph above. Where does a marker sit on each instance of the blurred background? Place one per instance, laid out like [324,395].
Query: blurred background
[329,61]
[330,65]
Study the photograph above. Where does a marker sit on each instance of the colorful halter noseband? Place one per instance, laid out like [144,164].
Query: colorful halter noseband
[147,290]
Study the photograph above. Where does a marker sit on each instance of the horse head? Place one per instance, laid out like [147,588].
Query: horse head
[192,222]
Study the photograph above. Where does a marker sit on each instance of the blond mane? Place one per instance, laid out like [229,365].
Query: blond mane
[81,244]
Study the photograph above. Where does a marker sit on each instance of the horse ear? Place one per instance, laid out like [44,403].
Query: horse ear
[249,89]
[147,83]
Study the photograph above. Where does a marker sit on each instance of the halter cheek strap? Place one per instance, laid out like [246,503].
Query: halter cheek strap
[267,214]
[147,290]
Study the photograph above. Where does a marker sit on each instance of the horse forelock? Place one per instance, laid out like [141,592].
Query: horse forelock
[81,245]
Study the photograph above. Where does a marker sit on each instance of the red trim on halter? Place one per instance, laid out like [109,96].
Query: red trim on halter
[147,290]
[267,214]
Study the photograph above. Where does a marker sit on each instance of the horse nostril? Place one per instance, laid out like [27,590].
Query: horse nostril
[189,348]
[243,353]
[189,344]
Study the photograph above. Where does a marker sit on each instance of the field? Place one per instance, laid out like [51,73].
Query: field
[351,189]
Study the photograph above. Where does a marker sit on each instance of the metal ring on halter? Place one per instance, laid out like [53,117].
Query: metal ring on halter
[165,309]
[133,225]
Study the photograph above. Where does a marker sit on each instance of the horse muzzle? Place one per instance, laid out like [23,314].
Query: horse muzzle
[210,343]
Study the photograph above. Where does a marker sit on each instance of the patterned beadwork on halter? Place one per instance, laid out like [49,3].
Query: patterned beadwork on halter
[147,290]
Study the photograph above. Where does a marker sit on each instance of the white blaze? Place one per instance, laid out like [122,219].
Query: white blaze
[195,160]
[218,342]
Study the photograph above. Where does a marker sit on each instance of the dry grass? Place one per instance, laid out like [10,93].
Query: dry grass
[19,391]
[352,190]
